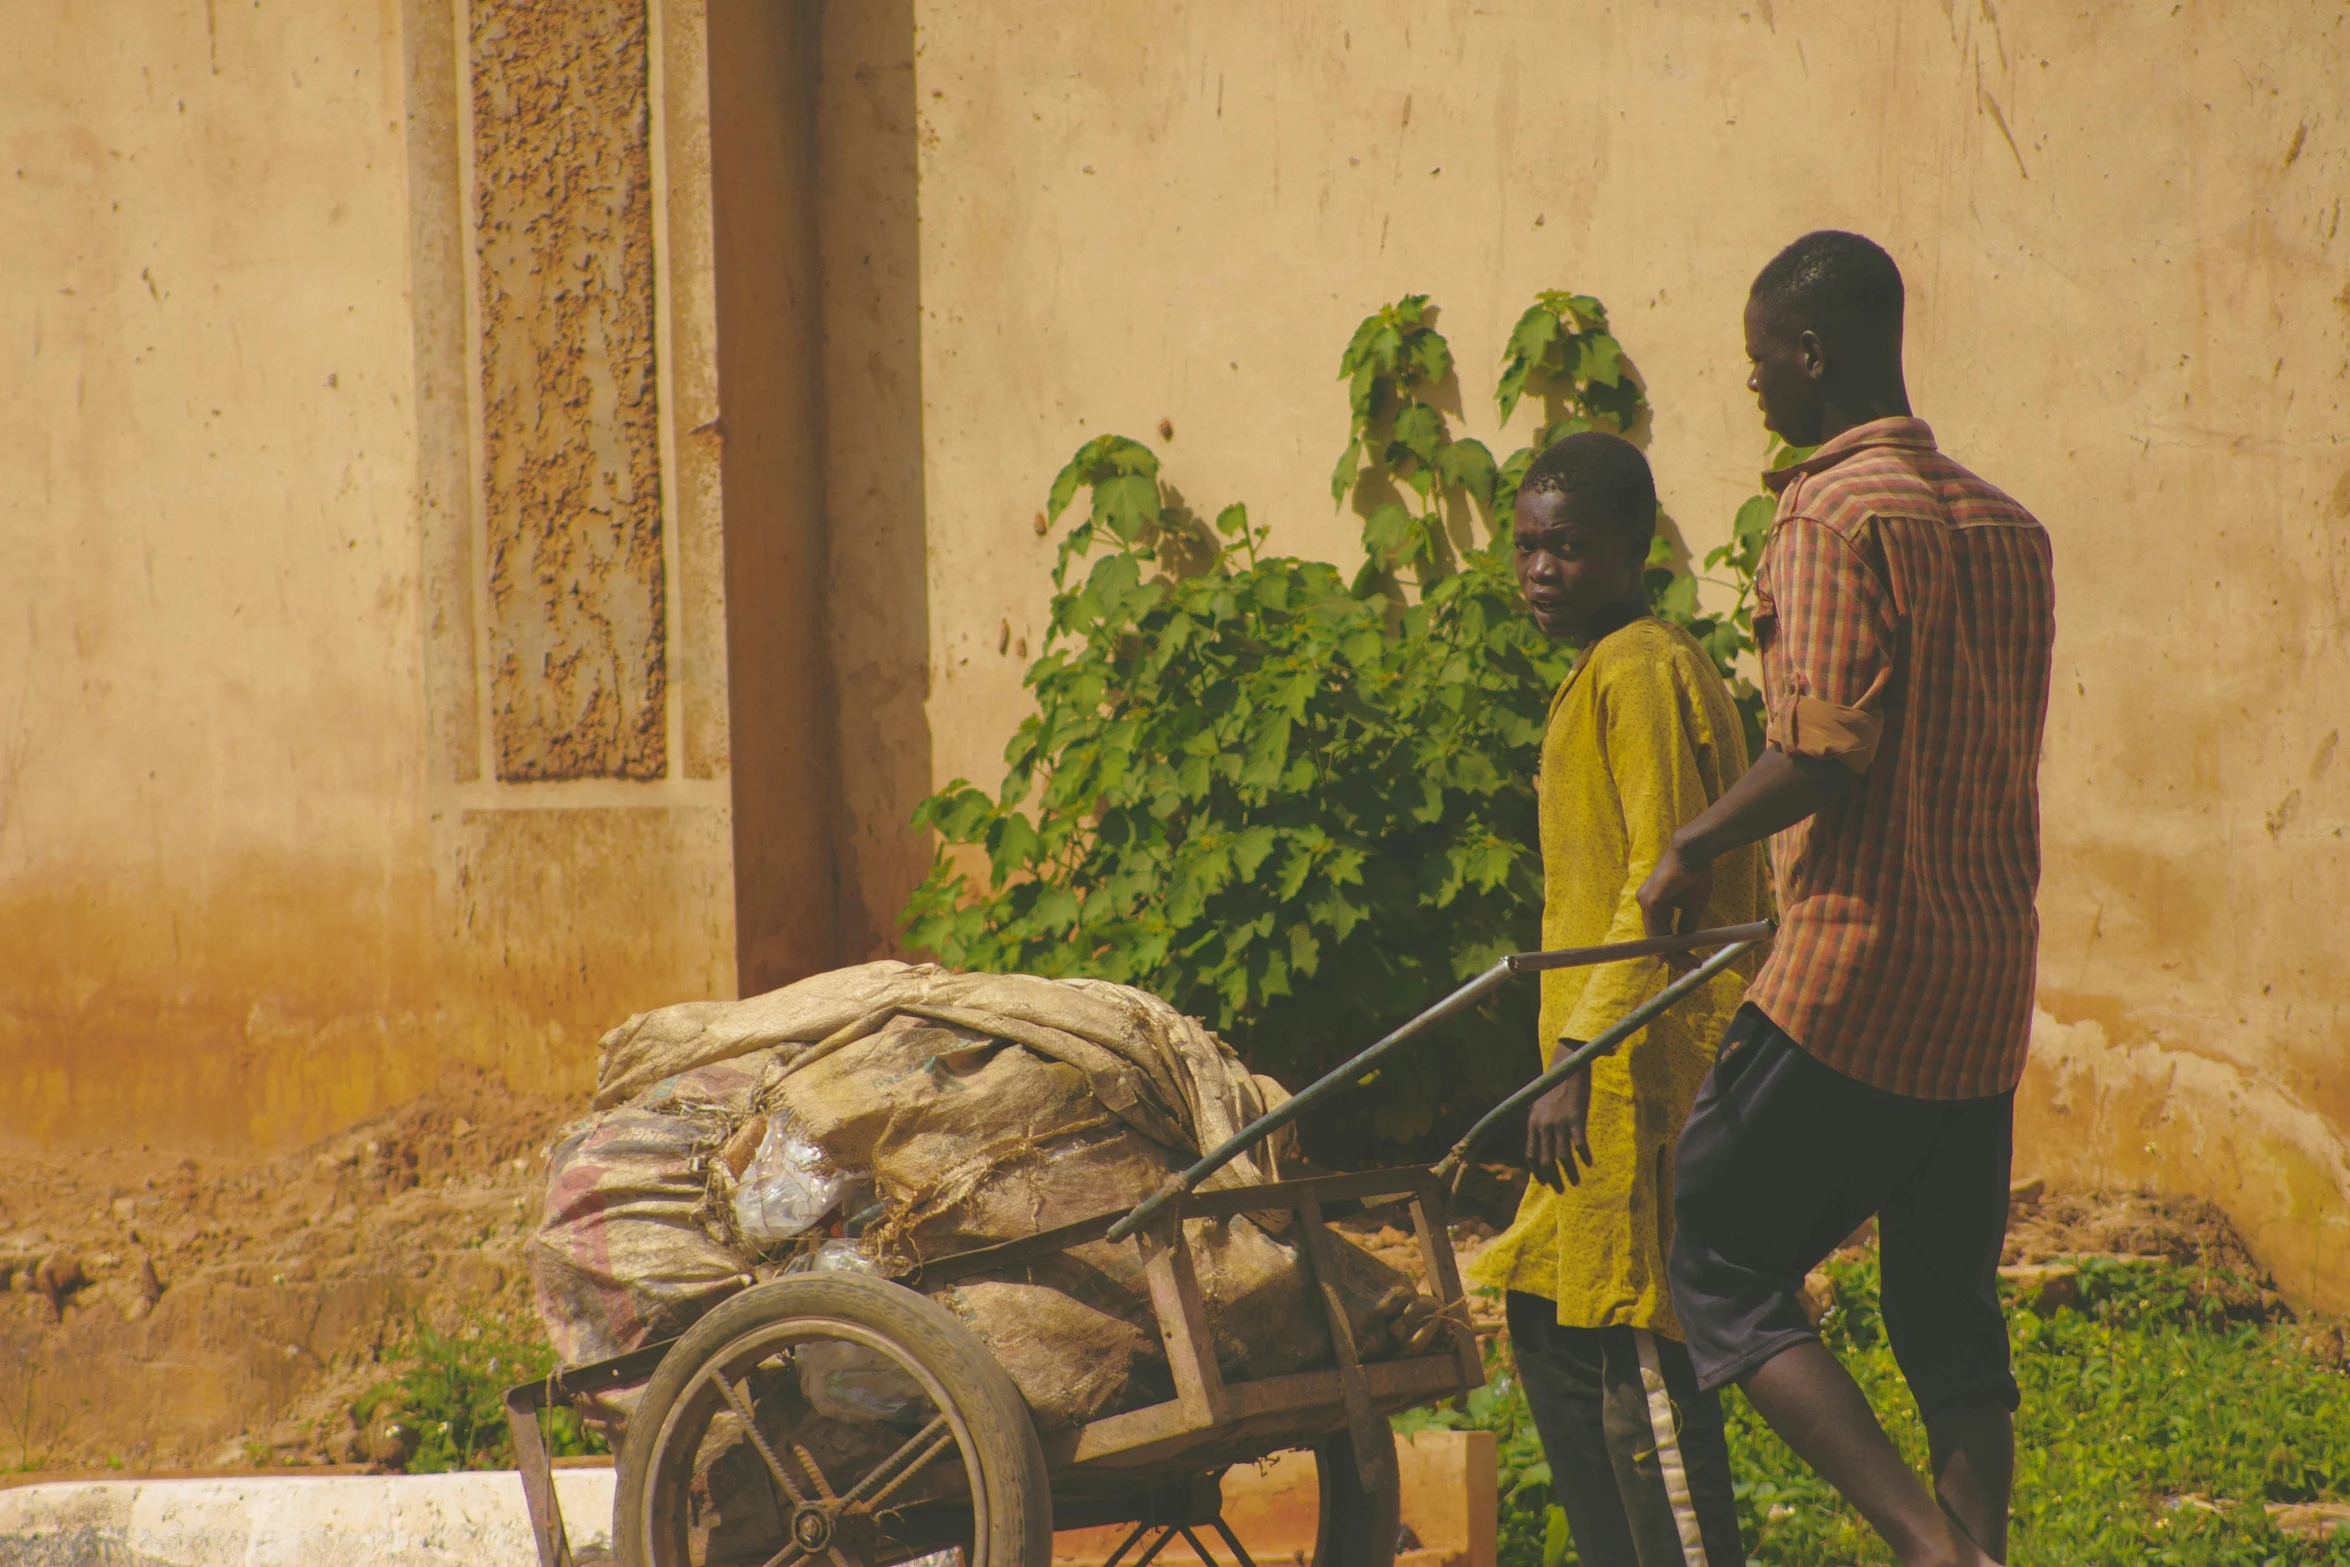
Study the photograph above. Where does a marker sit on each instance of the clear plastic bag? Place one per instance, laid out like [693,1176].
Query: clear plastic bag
[845,1381]
[786,1189]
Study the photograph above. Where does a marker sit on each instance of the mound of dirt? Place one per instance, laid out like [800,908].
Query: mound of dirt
[164,1313]
[2047,1226]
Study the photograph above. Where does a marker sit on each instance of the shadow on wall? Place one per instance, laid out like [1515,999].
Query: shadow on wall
[813,162]
[878,608]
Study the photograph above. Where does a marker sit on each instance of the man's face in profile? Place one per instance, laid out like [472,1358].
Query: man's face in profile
[1787,374]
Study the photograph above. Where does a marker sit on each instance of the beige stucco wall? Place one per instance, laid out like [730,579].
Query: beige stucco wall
[271,853]
[2130,302]
[287,822]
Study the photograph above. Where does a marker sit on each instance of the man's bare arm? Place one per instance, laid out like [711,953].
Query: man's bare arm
[1777,791]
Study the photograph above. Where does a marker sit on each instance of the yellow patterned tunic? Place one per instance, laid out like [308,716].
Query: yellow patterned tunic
[1643,736]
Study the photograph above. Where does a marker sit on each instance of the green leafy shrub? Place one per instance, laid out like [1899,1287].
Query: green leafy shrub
[2149,1393]
[1294,800]
[450,1394]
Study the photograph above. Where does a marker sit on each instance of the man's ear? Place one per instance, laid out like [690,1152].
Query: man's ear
[1815,355]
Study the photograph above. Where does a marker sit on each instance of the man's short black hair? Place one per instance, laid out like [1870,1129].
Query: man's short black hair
[1835,282]
[1604,470]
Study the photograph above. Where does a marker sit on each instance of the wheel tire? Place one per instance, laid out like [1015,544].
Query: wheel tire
[1010,1462]
[1358,1527]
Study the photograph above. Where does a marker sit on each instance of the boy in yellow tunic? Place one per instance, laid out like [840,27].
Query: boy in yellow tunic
[1642,737]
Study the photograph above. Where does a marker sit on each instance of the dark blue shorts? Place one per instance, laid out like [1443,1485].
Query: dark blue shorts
[1783,1158]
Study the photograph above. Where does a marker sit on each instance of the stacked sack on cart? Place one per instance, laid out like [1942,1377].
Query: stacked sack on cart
[880,1116]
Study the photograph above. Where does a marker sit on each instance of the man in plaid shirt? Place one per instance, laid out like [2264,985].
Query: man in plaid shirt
[1905,616]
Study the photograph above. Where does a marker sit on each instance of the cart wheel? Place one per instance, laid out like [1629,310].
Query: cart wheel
[831,1420]
[1359,1526]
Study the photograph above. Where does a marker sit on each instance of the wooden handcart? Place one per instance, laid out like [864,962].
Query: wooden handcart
[940,1463]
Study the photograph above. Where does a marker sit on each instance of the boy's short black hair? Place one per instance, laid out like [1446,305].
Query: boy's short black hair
[1835,281]
[1605,470]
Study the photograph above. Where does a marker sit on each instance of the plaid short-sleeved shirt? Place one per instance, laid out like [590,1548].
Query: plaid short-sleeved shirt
[1905,612]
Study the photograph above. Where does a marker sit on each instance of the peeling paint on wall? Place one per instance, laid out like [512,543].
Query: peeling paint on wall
[2100,1110]
[570,436]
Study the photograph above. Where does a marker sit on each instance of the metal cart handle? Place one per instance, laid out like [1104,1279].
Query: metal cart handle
[1733,939]
[1605,1045]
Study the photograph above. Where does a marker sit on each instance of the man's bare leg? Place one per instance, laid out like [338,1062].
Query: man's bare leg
[1974,1464]
[1818,1410]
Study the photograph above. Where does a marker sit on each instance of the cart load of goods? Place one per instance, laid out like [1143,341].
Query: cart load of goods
[880,1116]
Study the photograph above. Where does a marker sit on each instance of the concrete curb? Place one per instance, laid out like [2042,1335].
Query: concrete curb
[477,1520]
[281,1519]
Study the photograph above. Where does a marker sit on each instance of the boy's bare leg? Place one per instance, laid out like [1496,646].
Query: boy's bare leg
[1817,1409]
[1974,1463]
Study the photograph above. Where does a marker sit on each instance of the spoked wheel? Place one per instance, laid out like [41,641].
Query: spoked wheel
[836,1421]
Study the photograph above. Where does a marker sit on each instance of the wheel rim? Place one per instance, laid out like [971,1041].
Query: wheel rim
[862,1508]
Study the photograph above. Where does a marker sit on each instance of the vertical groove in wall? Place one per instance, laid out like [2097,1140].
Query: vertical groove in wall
[877,547]
[570,437]
[443,428]
[770,452]
[677,660]
[689,387]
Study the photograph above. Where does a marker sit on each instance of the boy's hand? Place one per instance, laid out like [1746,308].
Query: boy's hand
[1557,1128]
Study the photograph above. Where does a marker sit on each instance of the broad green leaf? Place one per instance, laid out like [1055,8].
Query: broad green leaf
[1250,848]
[1506,482]
[1511,388]
[1065,487]
[1679,599]
[1431,358]
[1342,478]
[1419,429]
[1560,429]
[1268,749]
[1554,1537]
[1011,843]
[1357,345]
[1128,506]
[1055,909]
[1468,465]
[1387,532]
[1536,330]
[1599,358]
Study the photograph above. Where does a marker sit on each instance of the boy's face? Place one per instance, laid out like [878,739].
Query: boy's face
[1787,376]
[1577,569]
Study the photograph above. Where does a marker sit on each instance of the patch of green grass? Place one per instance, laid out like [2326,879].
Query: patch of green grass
[450,1393]
[2150,1390]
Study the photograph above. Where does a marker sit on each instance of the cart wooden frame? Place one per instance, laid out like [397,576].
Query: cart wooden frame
[1155,1466]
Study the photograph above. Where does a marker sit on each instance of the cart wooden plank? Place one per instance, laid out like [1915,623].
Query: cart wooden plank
[1304,1403]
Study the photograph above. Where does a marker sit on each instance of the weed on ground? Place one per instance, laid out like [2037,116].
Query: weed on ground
[2171,1414]
[445,1410]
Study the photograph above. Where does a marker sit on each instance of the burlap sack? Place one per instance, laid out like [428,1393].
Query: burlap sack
[984,1108]
[974,1140]
[629,1248]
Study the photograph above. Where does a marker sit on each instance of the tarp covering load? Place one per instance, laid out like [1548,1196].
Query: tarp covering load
[928,1113]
